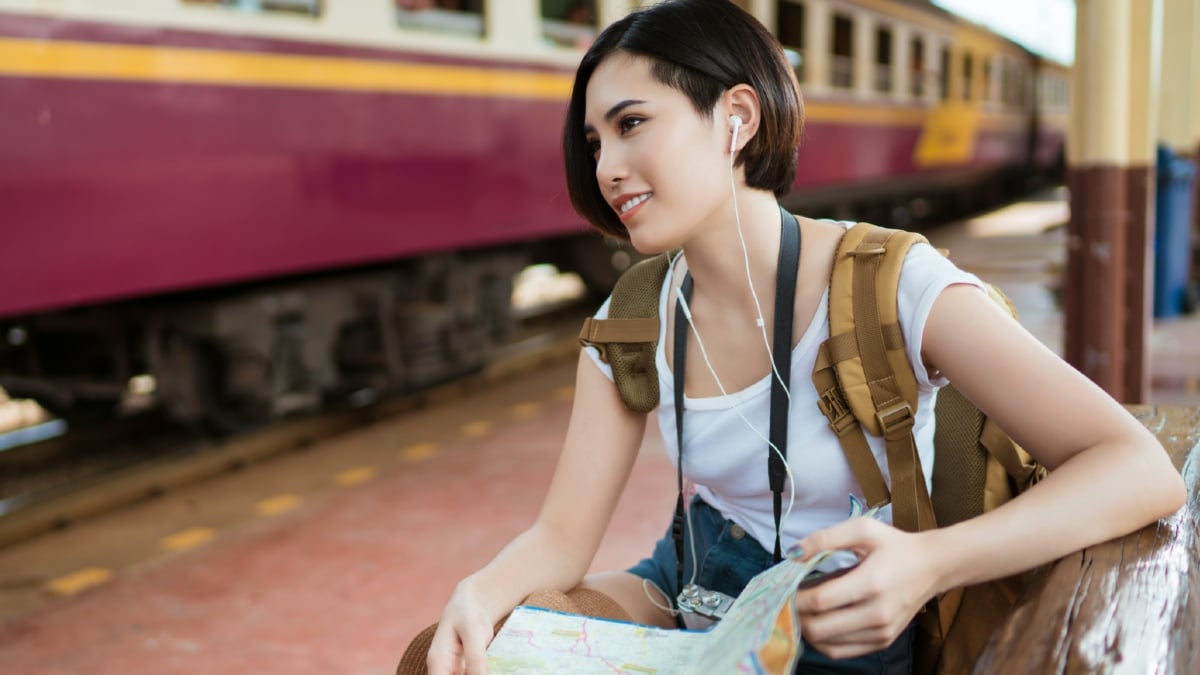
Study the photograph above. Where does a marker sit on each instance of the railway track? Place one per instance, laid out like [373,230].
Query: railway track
[61,481]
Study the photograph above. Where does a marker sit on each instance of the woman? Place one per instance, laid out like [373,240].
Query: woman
[681,133]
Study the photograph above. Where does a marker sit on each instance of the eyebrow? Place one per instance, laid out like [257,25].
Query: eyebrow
[612,112]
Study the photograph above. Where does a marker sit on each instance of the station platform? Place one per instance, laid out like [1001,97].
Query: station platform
[329,560]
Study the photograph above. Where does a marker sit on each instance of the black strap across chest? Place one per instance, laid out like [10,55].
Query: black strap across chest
[785,294]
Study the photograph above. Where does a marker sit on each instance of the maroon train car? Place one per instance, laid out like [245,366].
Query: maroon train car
[261,203]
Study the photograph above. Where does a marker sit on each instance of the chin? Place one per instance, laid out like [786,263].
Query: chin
[648,244]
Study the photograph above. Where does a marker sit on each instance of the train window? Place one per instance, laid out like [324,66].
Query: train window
[444,16]
[944,75]
[842,74]
[968,66]
[569,23]
[917,66]
[883,59]
[302,7]
[791,34]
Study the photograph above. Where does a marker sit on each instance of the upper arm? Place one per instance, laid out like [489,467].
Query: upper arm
[1047,406]
[601,445]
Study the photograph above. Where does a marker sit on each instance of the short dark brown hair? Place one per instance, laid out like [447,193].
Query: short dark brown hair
[701,48]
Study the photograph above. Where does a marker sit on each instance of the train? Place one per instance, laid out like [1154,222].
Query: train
[241,210]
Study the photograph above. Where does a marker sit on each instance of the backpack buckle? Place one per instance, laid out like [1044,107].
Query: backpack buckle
[897,417]
[834,408]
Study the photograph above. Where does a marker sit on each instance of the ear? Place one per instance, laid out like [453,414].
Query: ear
[742,100]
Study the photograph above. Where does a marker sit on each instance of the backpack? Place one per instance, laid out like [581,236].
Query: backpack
[865,384]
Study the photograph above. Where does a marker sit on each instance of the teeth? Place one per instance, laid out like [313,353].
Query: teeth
[634,202]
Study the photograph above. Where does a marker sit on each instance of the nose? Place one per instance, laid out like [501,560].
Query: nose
[611,168]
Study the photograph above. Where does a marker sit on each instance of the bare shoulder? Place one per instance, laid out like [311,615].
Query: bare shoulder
[819,240]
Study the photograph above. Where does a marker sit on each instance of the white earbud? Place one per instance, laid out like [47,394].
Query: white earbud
[736,123]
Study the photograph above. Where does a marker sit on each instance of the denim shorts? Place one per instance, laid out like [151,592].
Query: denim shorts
[729,558]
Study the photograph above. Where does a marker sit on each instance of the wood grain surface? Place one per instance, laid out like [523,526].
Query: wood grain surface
[1130,605]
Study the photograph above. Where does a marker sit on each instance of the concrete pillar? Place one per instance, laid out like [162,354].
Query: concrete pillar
[1181,95]
[1095,295]
[1180,109]
[1145,30]
[818,46]
[1195,87]
[1195,84]
[1179,72]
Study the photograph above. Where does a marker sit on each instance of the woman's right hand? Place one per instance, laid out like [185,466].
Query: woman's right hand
[460,644]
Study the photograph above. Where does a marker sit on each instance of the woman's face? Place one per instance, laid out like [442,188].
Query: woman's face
[662,167]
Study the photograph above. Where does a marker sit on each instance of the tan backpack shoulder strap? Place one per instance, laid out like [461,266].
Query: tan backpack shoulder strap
[866,347]
[849,431]
[628,338]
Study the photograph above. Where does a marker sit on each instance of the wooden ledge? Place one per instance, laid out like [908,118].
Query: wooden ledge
[1130,605]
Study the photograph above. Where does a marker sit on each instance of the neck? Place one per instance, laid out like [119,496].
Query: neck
[715,258]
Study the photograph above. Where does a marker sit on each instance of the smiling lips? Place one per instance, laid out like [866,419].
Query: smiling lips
[627,205]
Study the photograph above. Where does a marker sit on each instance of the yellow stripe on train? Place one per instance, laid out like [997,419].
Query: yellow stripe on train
[206,66]
[945,128]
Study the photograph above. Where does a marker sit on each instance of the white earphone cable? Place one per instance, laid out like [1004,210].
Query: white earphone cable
[749,281]
[687,313]
[761,323]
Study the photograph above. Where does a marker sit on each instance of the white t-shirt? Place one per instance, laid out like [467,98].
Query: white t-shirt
[727,461]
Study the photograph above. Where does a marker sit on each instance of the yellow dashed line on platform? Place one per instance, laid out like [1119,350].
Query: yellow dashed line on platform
[477,429]
[276,505]
[566,393]
[189,539]
[525,411]
[80,581]
[355,476]
[419,452]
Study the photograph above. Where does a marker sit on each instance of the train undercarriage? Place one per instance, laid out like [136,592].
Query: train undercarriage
[230,359]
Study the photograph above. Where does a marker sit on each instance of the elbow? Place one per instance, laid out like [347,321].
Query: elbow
[1165,492]
[1174,494]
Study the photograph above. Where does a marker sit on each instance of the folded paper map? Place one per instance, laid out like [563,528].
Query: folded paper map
[759,634]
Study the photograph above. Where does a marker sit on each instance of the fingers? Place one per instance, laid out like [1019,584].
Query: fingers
[857,534]
[834,594]
[853,631]
[475,647]
[445,652]
[864,621]
[451,653]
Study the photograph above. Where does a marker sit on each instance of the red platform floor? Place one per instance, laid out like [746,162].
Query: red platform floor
[397,513]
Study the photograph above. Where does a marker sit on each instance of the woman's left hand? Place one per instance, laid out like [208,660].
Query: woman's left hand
[864,610]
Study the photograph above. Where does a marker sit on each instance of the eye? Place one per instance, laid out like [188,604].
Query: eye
[627,123]
[594,145]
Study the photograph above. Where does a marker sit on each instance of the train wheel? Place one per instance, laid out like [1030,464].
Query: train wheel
[194,387]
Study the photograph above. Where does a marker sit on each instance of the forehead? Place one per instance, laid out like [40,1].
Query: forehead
[622,77]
